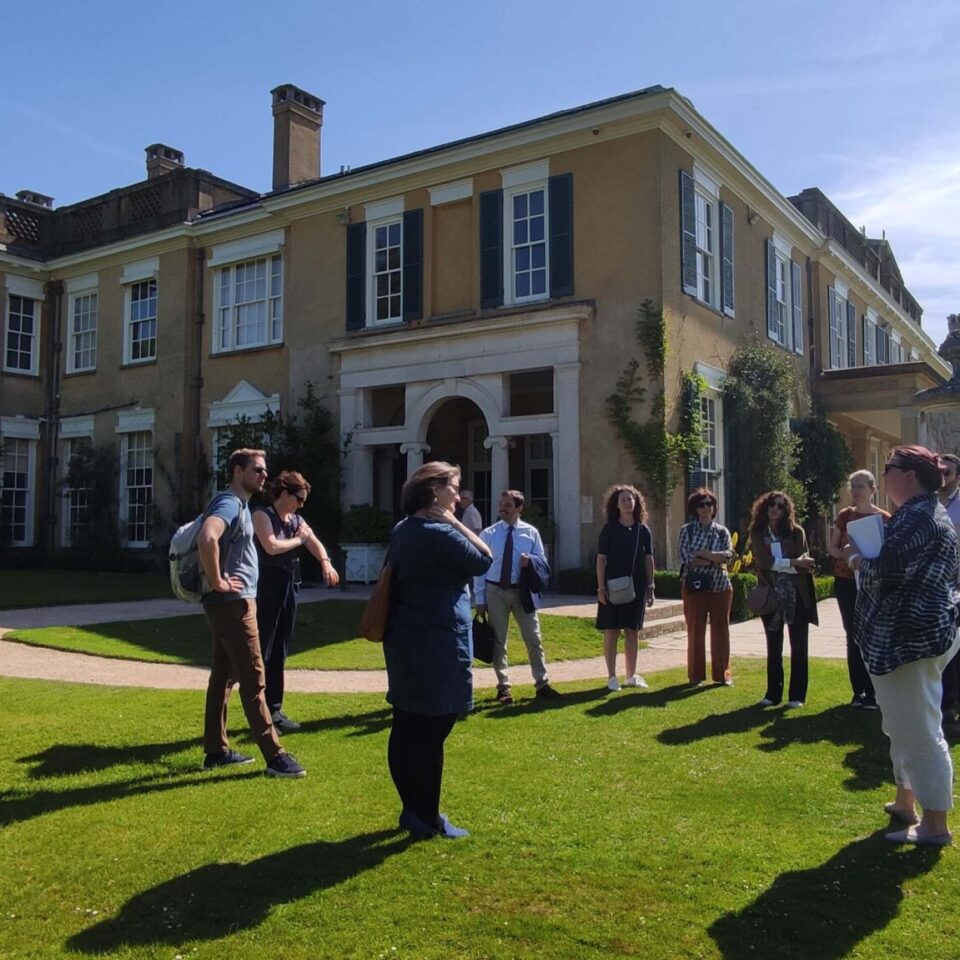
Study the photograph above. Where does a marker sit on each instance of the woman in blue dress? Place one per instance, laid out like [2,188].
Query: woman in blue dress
[428,644]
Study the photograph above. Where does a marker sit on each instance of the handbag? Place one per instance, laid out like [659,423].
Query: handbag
[483,637]
[762,599]
[697,581]
[376,614]
[621,590]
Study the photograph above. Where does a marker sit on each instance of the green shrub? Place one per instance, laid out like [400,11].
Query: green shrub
[364,523]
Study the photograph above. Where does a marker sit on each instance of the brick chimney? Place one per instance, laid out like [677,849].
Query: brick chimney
[37,199]
[162,159]
[297,118]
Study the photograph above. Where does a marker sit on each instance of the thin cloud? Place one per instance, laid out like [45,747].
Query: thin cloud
[73,133]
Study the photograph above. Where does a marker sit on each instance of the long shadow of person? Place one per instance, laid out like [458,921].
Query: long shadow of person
[736,721]
[630,699]
[826,911]
[60,759]
[220,898]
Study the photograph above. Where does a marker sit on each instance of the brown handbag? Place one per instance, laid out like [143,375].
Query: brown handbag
[376,614]
[762,600]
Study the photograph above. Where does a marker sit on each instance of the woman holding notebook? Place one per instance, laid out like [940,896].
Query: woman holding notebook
[863,487]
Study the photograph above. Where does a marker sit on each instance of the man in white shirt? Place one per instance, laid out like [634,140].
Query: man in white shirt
[513,543]
[471,518]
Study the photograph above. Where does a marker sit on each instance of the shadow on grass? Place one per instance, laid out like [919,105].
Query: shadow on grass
[219,899]
[631,699]
[63,759]
[826,911]
[16,807]
[839,725]
[529,705]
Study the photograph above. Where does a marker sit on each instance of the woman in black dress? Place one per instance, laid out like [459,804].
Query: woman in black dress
[625,549]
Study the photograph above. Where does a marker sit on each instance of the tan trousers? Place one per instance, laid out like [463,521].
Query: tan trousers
[500,604]
[696,608]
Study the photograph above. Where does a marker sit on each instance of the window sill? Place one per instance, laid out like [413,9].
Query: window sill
[23,374]
[128,364]
[243,351]
[710,308]
[80,373]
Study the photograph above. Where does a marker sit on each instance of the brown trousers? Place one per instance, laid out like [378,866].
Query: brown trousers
[696,608]
[236,659]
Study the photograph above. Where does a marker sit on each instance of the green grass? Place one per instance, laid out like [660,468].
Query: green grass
[47,588]
[670,823]
[325,639]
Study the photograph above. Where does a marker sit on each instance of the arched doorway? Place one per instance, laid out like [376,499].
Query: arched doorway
[455,433]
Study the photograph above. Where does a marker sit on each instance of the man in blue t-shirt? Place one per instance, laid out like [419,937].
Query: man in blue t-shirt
[228,555]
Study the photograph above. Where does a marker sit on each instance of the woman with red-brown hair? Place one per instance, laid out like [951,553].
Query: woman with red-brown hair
[779,548]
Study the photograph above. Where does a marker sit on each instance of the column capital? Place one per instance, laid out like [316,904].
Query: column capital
[414,447]
[499,443]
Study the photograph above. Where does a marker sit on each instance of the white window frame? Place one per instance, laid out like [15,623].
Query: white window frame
[373,226]
[15,431]
[783,266]
[838,340]
[896,347]
[713,395]
[510,248]
[74,431]
[134,275]
[136,422]
[25,289]
[80,289]
[870,338]
[532,463]
[706,212]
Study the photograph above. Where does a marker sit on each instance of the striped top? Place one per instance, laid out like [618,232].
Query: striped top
[907,603]
[715,538]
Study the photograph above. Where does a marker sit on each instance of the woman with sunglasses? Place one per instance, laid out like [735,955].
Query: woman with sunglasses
[779,548]
[863,486]
[705,550]
[906,628]
[280,532]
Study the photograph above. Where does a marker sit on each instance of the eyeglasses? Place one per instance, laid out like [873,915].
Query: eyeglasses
[779,504]
[299,498]
[894,466]
[260,470]
[705,503]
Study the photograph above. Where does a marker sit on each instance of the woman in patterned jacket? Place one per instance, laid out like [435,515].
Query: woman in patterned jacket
[906,628]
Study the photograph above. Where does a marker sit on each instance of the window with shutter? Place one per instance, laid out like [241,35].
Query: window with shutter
[869,341]
[797,303]
[726,260]
[491,249]
[851,335]
[688,234]
[561,235]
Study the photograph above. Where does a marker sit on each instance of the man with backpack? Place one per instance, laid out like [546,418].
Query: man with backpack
[228,556]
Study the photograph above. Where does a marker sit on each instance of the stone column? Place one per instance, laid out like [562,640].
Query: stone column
[499,468]
[358,458]
[414,453]
[566,464]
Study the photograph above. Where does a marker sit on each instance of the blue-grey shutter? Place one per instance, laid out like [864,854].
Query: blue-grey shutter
[832,352]
[412,265]
[491,248]
[561,235]
[356,275]
[851,335]
[883,355]
[688,234]
[726,260]
[773,314]
[796,297]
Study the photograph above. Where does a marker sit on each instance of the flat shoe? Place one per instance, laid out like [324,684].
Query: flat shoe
[449,830]
[910,835]
[907,816]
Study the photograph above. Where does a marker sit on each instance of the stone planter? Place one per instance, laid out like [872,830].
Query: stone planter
[364,561]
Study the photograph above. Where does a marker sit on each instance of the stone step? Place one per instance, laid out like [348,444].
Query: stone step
[664,609]
[660,626]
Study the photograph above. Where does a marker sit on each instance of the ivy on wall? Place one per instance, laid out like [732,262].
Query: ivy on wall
[659,456]
[758,395]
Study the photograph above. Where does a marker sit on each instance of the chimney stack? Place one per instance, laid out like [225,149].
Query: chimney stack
[162,159]
[37,199]
[297,118]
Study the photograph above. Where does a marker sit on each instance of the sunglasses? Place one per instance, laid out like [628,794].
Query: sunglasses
[779,504]
[705,503]
[895,466]
[260,470]
[299,498]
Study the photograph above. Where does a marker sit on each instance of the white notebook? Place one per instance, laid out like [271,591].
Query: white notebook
[867,535]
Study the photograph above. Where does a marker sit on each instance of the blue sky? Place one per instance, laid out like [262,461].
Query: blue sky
[858,98]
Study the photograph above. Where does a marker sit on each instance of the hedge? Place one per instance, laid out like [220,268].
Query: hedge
[583,581]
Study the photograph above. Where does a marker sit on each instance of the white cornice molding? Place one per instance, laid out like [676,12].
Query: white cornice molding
[21,286]
[140,270]
[136,420]
[79,426]
[20,428]
[451,192]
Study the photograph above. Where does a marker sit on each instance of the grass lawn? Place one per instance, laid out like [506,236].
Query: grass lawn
[325,639]
[48,588]
[668,823]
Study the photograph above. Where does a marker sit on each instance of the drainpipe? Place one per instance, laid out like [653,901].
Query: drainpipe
[48,517]
[190,487]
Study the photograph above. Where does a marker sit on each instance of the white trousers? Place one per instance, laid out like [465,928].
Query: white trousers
[909,700]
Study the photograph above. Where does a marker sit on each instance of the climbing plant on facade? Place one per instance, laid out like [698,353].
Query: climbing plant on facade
[758,394]
[659,456]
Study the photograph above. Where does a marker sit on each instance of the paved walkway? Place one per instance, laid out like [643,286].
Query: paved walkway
[663,652]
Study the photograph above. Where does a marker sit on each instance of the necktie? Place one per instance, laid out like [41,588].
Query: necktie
[506,568]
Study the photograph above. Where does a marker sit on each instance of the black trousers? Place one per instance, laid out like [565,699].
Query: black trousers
[276,618]
[415,756]
[846,593]
[799,634]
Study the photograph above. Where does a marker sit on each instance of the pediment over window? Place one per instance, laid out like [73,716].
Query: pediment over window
[244,400]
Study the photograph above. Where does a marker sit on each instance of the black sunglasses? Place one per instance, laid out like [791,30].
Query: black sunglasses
[895,466]
[779,504]
[705,503]
[260,470]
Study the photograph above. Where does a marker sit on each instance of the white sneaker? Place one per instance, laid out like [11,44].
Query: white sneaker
[636,681]
[794,704]
[613,684]
[766,702]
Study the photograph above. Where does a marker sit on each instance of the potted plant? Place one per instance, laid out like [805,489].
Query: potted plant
[363,536]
